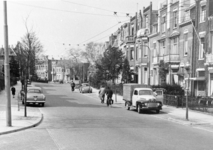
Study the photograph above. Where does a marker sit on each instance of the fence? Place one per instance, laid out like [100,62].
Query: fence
[203,104]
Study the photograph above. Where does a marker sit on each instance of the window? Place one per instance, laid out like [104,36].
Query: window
[145,50]
[163,24]
[155,28]
[175,45]
[154,49]
[145,92]
[136,53]
[132,31]
[132,54]
[201,49]
[185,44]
[139,53]
[136,92]
[212,42]
[202,13]
[175,17]
[162,48]
[146,21]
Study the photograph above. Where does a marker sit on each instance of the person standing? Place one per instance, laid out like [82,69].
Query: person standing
[72,85]
[13,89]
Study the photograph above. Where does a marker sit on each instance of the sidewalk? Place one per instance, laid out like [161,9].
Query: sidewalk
[19,122]
[174,114]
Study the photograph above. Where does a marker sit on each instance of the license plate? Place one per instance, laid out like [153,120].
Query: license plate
[35,99]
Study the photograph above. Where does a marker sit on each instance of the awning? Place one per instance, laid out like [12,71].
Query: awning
[202,34]
[200,69]
[196,79]
[174,66]
[175,33]
[143,32]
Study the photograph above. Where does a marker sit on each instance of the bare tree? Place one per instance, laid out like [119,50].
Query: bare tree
[27,52]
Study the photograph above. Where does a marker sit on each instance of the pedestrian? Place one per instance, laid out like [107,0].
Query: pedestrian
[72,84]
[13,89]
[102,93]
[109,94]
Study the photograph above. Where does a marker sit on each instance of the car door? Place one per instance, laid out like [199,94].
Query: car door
[159,96]
[134,97]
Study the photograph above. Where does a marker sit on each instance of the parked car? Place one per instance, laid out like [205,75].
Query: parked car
[85,88]
[34,96]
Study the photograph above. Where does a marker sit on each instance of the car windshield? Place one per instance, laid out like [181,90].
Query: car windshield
[34,91]
[145,92]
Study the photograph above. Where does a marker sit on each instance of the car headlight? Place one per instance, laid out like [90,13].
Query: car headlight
[145,104]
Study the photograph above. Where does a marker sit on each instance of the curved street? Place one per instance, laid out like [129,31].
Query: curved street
[75,121]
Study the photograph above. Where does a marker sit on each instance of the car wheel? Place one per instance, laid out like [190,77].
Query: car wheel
[157,111]
[139,109]
[127,106]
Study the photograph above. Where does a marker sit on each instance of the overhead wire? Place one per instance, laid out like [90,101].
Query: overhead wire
[93,7]
[101,32]
[53,9]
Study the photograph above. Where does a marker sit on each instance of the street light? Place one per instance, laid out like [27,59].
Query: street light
[187,89]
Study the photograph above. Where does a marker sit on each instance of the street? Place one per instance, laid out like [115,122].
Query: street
[76,121]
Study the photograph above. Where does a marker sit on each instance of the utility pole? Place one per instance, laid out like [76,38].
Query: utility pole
[6,68]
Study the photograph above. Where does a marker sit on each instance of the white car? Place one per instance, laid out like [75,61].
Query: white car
[35,96]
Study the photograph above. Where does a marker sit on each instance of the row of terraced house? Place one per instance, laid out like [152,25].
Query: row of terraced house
[179,34]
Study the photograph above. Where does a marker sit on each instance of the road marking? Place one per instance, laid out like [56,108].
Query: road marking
[53,139]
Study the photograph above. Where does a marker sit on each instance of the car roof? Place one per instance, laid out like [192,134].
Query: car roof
[34,87]
[143,89]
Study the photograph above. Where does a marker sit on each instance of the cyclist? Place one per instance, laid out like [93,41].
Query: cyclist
[109,94]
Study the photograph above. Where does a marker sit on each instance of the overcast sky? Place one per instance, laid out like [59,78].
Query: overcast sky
[61,24]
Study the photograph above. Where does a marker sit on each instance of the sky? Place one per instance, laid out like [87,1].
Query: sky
[64,24]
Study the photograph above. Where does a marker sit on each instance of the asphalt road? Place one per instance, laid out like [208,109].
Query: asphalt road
[75,121]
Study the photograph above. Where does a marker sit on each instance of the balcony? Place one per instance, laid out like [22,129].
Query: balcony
[155,60]
[172,58]
[130,39]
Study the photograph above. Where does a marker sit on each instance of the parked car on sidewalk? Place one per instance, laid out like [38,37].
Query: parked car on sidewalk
[34,96]
[140,97]
[85,88]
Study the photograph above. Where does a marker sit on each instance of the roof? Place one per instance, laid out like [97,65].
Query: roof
[11,52]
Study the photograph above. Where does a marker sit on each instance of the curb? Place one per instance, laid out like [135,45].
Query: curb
[24,128]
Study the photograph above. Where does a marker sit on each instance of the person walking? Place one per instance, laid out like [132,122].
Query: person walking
[13,89]
[102,93]
[72,84]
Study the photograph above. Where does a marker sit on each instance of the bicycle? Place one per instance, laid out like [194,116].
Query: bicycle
[109,102]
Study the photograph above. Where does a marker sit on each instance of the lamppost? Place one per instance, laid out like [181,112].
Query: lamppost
[187,88]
